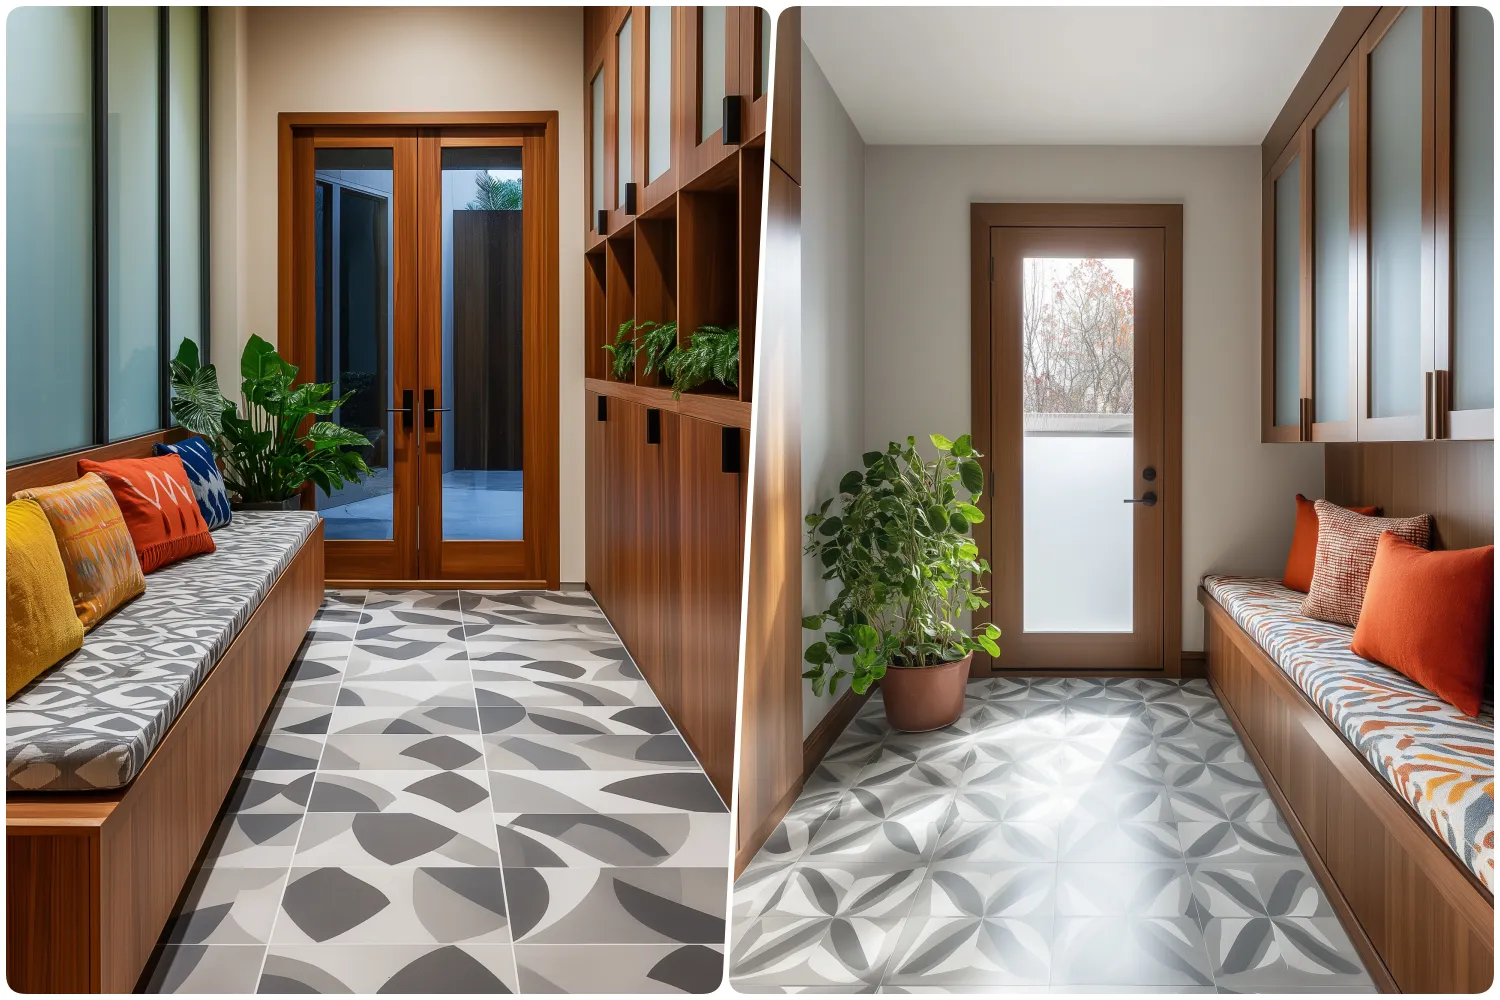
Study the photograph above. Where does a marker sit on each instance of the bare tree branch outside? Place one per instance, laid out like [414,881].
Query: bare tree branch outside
[1078,336]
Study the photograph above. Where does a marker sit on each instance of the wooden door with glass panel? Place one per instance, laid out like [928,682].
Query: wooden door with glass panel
[1077,446]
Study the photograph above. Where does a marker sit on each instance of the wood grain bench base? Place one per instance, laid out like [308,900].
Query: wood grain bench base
[1421,921]
[92,877]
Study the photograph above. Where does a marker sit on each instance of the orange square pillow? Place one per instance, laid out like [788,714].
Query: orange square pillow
[1299,561]
[156,497]
[1430,615]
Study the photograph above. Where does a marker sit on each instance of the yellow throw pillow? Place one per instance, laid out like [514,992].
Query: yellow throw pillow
[41,626]
[97,551]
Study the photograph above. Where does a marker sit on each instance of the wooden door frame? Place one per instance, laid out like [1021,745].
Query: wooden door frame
[546,410]
[1168,218]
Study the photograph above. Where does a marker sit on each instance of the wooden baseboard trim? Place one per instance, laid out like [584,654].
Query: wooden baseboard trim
[1194,663]
[750,846]
[1368,954]
[815,747]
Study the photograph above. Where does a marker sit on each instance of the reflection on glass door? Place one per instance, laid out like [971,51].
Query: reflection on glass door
[353,328]
[1078,422]
[482,467]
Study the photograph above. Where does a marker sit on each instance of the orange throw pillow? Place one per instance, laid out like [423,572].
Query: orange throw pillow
[156,497]
[1299,561]
[1430,616]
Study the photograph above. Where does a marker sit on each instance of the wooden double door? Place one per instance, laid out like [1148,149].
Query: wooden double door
[419,278]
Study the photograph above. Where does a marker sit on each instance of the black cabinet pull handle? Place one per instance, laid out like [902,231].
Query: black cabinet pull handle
[428,409]
[729,450]
[653,427]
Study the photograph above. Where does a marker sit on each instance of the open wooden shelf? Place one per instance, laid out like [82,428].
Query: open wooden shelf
[619,290]
[595,325]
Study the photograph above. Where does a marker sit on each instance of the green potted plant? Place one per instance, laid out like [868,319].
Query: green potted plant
[622,353]
[267,455]
[714,353]
[900,545]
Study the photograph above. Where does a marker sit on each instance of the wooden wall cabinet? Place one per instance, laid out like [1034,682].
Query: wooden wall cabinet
[1378,242]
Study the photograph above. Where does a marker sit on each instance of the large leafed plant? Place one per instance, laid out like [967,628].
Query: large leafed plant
[899,542]
[267,454]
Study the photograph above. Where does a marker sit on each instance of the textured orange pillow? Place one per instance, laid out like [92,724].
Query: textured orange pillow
[1299,561]
[1346,550]
[156,497]
[1430,615]
[97,552]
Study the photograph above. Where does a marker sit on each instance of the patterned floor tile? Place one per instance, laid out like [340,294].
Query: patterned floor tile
[270,791]
[389,671]
[851,890]
[619,968]
[1251,953]
[227,906]
[409,968]
[582,840]
[1148,889]
[446,752]
[359,720]
[284,752]
[247,839]
[445,905]
[971,954]
[401,693]
[197,968]
[1136,951]
[1235,841]
[983,841]
[564,693]
[863,827]
[606,792]
[395,838]
[1123,841]
[587,753]
[300,720]
[814,951]
[449,797]
[617,905]
[632,720]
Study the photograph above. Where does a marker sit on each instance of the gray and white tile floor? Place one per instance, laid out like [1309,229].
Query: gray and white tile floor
[1065,834]
[459,792]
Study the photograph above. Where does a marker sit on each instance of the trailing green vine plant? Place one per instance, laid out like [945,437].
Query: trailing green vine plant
[900,544]
[714,353]
[622,353]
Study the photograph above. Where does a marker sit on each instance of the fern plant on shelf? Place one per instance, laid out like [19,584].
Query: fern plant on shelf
[622,353]
[713,354]
[655,343]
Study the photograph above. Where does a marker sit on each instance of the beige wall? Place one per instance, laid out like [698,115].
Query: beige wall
[833,411]
[1237,492]
[270,60]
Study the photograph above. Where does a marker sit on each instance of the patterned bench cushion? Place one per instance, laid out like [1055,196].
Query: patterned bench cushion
[90,722]
[1436,758]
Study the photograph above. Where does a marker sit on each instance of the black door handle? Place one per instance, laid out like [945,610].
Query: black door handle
[1148,498]
[404,409]
[428,409]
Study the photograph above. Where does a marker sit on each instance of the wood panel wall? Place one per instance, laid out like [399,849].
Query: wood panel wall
[1452,480]
[771,703]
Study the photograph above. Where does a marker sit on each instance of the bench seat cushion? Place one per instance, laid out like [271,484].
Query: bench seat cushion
[91,722]
[1438,760]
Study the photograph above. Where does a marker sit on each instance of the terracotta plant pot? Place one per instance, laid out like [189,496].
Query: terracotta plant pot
[919,699]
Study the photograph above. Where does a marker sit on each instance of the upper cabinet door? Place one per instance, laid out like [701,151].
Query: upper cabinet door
[1465,320]
[755,68]
[711,72]
[1395,348]
[598,148]
[659,99]
[1285,299]
[1334,349]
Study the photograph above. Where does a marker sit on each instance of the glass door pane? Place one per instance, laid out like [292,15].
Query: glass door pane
[1396,219]
[597,157]
[711,54]
[482,249]
[659,110]
[1078,406]
[624,112]
[1287,396]
[1331,265]
[1473,361]
[353,325]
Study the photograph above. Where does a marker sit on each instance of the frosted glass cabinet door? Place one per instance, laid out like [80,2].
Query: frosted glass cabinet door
[625,141]
[1333,334]
[1287,298]
[659,92]
[596,154]
[1472,358]
[1395,369]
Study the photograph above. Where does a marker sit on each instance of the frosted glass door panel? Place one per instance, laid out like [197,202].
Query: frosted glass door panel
[711,54]
[185,175]
[49,229]
[1473,361]
[1078,367]
[135,365]
[1332,284]
[623,115]
[659,110]
[597,153]
[1396,220]
[1288,298]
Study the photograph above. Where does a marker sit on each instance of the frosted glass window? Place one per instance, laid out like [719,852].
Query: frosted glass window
[711,55]
[1288,302]
[185,175]
[597,168]
[1331,265]
[134,355]
[763,78]
[49,305]
[659,123]
[623,107]
[1473,362]
[1396,219]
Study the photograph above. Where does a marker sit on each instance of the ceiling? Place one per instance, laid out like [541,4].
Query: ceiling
[1064,75]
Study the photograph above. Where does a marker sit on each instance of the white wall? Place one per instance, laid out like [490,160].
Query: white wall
[1237,492]
[833,413]
[270,60]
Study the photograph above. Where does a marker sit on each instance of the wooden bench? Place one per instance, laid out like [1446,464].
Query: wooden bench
[92,877]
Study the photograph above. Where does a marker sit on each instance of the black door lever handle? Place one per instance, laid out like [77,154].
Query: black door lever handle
[428,409]
[1148,498]
[404,409]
